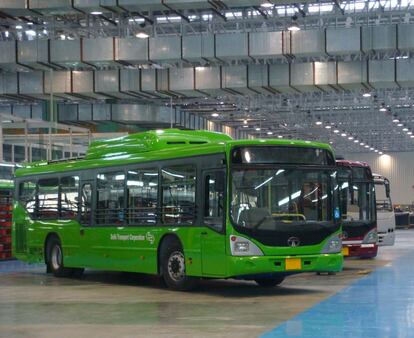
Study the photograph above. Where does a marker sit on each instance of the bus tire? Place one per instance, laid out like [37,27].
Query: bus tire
[269,282]
[172,264]
[55,259]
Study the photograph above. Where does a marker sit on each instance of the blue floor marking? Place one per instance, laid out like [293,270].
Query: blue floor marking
[19,266]
[379,305]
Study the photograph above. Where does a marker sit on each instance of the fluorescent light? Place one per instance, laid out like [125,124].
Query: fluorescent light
[30,32]
[142,35]
[366,146]
[257,129]
[62,36]
[336,131]
[19,26]
[328,127]
[318,123]
[96,13]
[269,133]
[215,114]
[366,95]
[343,134]
[44,31]
[356,141]
[412,136]
[350,138]
[7,34]
[383,109]
[362,144]
[266,5]
[245,126]
[409,132]
[376,150]
[294,27]
[405,129]
[371,148]
[279,136]
[380,153]
[395,120]
[399,124]
[245,122]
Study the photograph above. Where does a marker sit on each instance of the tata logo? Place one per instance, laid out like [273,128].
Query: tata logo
[293,242]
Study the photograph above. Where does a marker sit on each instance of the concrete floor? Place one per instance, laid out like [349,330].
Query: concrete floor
[34,304]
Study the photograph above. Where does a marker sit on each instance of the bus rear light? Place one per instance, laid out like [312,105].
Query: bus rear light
[241,246]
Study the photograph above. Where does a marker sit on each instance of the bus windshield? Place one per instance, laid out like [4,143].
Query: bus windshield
[265,202]
[383,197]
[357,197]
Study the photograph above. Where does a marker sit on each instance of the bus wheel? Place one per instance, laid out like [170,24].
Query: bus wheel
[172,262]
[55,259]
[269,282]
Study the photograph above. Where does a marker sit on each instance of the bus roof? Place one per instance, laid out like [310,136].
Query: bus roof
[348,163]
[151,146]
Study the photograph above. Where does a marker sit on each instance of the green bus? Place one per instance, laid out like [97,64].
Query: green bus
[184,205]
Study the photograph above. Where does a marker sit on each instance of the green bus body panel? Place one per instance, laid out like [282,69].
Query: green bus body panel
[135,248]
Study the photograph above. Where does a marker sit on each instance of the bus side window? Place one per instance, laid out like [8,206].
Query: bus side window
[214,186]
[178,194]
[110,198]
[142,196]
[86,203]
[69,197]
[27,196]
[48,198]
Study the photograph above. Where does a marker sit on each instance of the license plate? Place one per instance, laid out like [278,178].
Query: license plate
[345,251]
[293,264]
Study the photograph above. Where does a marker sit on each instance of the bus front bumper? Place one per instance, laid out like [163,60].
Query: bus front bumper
[360,250]
[242,266]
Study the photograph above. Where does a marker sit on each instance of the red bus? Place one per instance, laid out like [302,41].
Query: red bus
[357,195]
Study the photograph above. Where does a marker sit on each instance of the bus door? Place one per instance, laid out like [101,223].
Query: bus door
[85,220]
[213,233]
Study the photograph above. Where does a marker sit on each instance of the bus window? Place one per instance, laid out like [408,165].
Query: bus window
[27,196]
[86,203]
[214,199]
[142,192]
[110,198]
[48,198]
[178,194]
[69,196]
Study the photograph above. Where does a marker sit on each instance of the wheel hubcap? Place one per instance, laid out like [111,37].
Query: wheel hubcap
[176,266]
[56,257]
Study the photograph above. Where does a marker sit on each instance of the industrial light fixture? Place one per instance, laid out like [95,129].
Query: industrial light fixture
[19,26]
[380,153]
[257,129]
[356,141]
[405,129]
[215,114]
[142,35]
[245,126]
[7,34]
[318,123]
[96,13]
[266,5]
[409,132]
[366,146]
[366,95]
[362,144]
[343,134]
[376,150]
[336,131]
[30,32]
[350,138]
[395,120]
[328,127]
[279,136]
[371,148]
[269,133]
[399,124]
[245,122]
[412,136]
[383,109]
[294,27]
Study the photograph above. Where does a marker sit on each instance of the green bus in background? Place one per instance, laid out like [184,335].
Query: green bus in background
[184,205]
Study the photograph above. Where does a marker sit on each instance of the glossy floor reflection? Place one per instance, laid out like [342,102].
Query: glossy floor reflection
[378,305]
[111,304]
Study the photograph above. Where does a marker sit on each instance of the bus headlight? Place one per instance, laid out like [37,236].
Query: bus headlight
[371,237]
[241,246]
[334,245]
